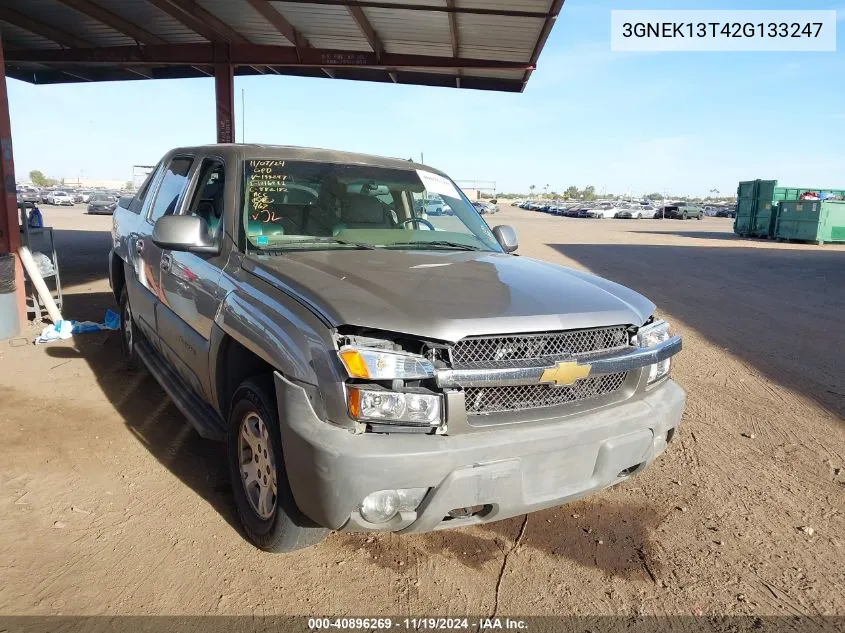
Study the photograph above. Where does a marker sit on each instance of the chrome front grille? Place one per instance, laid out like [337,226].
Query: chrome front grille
[491,353]
[480,400]
[522,347]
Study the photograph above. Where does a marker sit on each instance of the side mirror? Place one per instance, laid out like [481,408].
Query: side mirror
[125,201]
[183,233]
[506,237]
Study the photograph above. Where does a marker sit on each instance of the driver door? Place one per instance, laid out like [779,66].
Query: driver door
[147,255]
[190,288]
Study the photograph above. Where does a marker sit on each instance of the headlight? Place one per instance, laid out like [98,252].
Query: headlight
[378,364]
[650,336]
[382,405]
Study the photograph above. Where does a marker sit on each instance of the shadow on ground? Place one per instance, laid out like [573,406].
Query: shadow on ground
[146,410]
[699,235]
[780,311]
[152,418]
[616,538]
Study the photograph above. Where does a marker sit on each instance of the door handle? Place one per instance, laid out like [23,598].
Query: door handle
[139,245]
[166,263]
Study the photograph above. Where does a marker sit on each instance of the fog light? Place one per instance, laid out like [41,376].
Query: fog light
[383,505]
[380,506]
[410,498]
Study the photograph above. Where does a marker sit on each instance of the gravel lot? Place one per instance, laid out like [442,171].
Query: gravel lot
[110,503]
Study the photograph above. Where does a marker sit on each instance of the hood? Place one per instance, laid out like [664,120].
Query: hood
[447,295]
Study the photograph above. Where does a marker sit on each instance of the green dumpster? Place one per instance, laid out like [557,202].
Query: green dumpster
[765,220]
[812,221]
[752,198]
[758,205]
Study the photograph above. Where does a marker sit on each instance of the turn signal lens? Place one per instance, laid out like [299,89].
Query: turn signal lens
[354,363]
[355,403]
[379,364]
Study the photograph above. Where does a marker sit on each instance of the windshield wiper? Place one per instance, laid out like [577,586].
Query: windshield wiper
[439,244]
[316,240]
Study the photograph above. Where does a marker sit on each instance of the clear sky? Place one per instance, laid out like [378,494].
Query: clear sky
[681,122]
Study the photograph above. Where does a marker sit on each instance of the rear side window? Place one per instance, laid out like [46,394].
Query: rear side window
[172,187]
[138,199]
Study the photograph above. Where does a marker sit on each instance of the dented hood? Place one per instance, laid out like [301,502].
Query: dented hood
[447,295]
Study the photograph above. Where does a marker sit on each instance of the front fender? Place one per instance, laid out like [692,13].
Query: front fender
[288,337]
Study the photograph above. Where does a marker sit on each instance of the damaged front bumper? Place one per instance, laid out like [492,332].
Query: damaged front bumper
[505,471]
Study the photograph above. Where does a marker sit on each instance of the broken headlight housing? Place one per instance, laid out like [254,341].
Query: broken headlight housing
[390,385]
[652,335]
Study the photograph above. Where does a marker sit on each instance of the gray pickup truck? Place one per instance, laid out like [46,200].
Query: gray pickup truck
[373,368]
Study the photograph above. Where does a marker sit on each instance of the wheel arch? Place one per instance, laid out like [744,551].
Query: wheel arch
[250,338]
[117,275]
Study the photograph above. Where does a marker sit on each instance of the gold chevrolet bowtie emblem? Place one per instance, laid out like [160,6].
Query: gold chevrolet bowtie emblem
[565,373]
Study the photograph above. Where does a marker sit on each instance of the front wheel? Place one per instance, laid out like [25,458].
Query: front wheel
[700,217]
[639,216]
[257,472]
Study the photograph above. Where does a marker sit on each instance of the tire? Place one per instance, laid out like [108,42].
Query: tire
[700,217]
[639,216]
[684,217]
[274,524]
[129,334]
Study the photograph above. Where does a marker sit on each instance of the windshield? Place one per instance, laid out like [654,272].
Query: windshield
[295,205]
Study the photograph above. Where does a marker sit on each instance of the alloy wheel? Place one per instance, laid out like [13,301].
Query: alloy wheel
[257,465]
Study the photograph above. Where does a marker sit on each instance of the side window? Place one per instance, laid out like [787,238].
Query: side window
[138,200]
[172,185]
[208,198]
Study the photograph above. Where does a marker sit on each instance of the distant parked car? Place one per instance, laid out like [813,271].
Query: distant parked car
[571,209]
[584,209]
[681,211]
[102,203]
[604,210]
[636,211]
[437,206]
[61,198]
[726,213]
[483,207]
[28,196]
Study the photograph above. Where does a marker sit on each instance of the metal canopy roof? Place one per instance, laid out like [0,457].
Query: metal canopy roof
[481,44]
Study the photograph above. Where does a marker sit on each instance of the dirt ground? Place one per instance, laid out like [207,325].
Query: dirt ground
[111,504]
